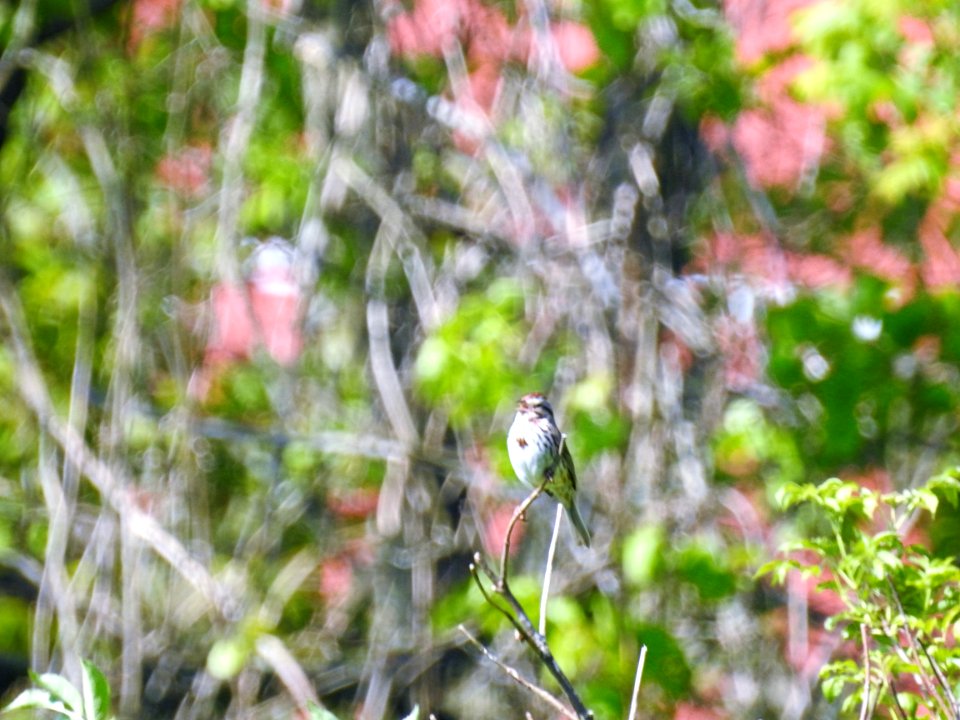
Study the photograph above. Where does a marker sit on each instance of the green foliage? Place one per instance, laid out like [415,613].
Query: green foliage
[749,445]
[468,603]
[228,656]
[706,571]
[702,69]
[467,365]
[863,63]
[14,624]
[695,563]
[642,554]
[91,701]
[855,365]
[236,477]
[595,426]
[900,601]
[671,671]
[319,713]
[698,64]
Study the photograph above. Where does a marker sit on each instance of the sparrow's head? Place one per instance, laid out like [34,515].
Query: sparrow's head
[535,402]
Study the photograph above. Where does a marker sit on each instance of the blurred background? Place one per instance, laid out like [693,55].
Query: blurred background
[275,272]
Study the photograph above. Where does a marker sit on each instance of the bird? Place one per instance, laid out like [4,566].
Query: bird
[538,450]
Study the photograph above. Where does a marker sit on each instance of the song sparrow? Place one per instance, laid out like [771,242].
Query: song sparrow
[534,445]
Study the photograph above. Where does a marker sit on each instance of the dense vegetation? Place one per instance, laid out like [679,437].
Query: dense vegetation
[275,273]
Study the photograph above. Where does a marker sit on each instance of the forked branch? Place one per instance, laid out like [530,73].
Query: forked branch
[514,611]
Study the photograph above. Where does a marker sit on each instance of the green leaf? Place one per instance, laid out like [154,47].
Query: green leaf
[36,698]
[432,359]
[96,692]
[706,572]
[671,671]
[467,366]
[317,712]
[642,551]
[60,689]
[789,495]
[228,656]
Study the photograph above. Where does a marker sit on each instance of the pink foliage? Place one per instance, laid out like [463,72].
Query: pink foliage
[233,329]
[758,258]
[353,504]
[264,312]
[817,271]
[489,41]
[689,711]
[485,34]
[337,573]
[187,171]
[336,579]
[915,30]
[270,320]
[782,141]
[940,268]
[866,250]
[575,44]
[429,29]
[490,38]
[150,16]
[494,530]
[742,352]
[762,26]
[484,84]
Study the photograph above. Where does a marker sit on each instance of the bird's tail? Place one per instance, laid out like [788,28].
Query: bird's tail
[578,523]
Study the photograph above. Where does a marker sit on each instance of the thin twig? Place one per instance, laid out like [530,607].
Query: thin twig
[518,617]
[865,701]
[517,514]
[272,650]
[896,700]
[54,596]
[405,238]
[112,490]
[524,626]
[518,678]
[941,678]
[548,572]
[924,676]
[237,140]
[486,595]
[385,373]
[636,683]
[513,192]
[23,26]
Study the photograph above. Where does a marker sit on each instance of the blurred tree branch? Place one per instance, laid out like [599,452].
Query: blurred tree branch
[13,76]
[117,493]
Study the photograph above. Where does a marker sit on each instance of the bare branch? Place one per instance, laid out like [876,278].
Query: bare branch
[636,683]
[33,390]
[865,701]
[237,140]
[901,713]
[378,329]
[913,644]
[524,626]
[518,513]
[272,651]
[514,675]
[548,572]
